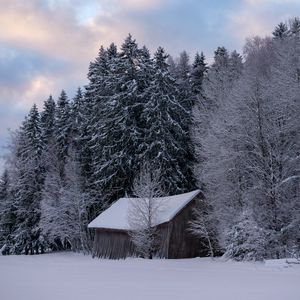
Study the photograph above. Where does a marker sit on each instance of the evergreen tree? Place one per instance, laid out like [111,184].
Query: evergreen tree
[167,136]
[118,135]
[76,118]
[235,66]
[62,128]
[184,81]
[172,66]
[27,186]
[48,120]
[96,99]
[280,31]
[199,69]
[294,29]
[7,214]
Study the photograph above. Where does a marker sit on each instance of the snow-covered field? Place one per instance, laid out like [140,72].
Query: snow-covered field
[68,276]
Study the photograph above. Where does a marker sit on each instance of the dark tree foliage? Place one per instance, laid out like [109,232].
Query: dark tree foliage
[199,69]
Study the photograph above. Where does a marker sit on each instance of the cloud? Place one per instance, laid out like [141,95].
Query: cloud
[141,4]
[248,23]
[270,2]
[50,30]
[29,77]
[259,17]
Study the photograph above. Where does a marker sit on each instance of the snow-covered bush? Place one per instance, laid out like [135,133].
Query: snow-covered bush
[246,240]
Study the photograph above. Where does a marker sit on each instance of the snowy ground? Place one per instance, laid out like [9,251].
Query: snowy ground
[65,276]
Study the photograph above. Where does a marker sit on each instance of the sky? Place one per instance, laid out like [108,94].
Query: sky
[46,45]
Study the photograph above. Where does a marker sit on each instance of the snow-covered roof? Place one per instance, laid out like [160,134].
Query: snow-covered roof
[116,216]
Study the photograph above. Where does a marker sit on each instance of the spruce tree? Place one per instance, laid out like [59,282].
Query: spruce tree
[63,127]
[27,186]
[76,119]
[166,133]
[96,99]
[280,31]
[199,69]
[7,214]
[48,120]
[118,133]
[184,81]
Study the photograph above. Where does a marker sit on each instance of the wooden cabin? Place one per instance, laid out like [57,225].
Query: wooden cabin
[112,239]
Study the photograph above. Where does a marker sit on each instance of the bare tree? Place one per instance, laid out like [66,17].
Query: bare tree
[202,227]
[64,215]
[144,211]
[251,148]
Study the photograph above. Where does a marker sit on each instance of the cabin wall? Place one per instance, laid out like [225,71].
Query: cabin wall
[182,244]
[113,244]
[164,239]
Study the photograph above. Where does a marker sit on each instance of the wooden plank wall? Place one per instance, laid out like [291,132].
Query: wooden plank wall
[113,244]
[182,243]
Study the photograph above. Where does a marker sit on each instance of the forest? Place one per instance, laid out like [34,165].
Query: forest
[230,128]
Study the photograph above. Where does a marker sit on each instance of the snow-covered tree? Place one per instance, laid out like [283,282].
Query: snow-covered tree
[167,136]
[64,207]
[280,31]
[76,118]
[48,120]
[50,201]
[246,240]
[74,204]
[184,81]
[203,226]
[62,128]
[7,214]
[144,211]
[118,133]
[250,147]
[199,70]
[27,181]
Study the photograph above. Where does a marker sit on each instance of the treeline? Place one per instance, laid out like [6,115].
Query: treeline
[231,129]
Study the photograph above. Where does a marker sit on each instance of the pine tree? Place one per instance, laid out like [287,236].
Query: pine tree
[235,66]
[100,87]
[48,120]
[184,81]
[62,128]
[118,134]
[76,118]
[166,135]
[172,66]
[7,214]
[27,186]
[294,29]
[199,69]
[280,31]
[217,84]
